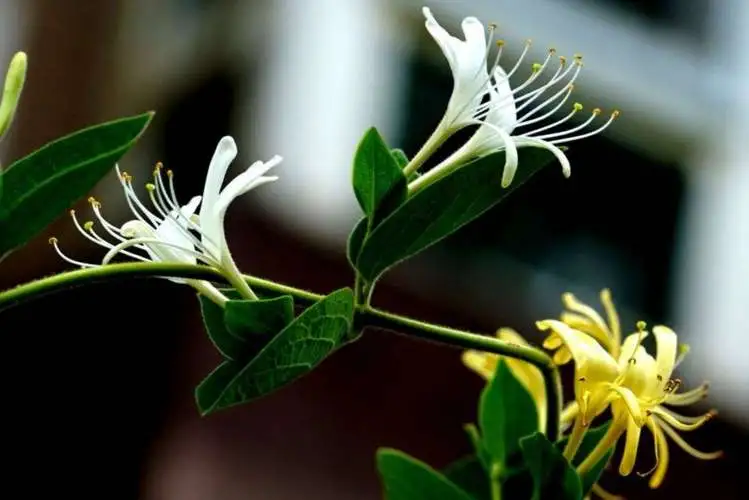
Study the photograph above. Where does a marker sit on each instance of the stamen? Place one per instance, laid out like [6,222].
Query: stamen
[686,446]
[150,241]
[614,116]
[689,397]
[575,109]
[53,242]
[562,133]
[526,121]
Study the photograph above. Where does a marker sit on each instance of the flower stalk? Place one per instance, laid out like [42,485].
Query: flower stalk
[366,316]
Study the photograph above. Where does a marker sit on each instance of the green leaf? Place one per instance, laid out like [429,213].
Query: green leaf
[247,318]
[468,474]
[553,477]
[243,327]
[400,157]
[405,478]
[442,208]
[379,183]
[590,440]
[356,240]
[507,413]
[296,350]
[39,187]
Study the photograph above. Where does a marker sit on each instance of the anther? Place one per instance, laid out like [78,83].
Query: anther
[552,51]
[641,325]
[169,173]
[500,43]
[159,165]
[536,67]
[529,42]
[150,187]
[492,26]
[578,57]
[52,240]
[71,212]
[562,60]
[577,107]
[88,225]
[615,113]
[711,414]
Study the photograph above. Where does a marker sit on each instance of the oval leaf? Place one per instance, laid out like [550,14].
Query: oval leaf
[39,187]
[507,413]
[553,477]
[243,327]
[377,178]
[468,474]
[296,350]
[405,478]
[441,209]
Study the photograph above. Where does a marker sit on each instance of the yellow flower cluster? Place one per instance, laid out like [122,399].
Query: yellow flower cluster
[610,373]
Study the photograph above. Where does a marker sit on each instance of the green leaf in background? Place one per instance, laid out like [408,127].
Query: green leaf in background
[553,477]
[294,351]
[379,183]
[442,208]
[468,474]
[39,187]
[405,478]
[400,157]
[507,413]
[590,440]
[244,327]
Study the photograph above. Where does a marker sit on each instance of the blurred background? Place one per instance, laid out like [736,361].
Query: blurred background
[98,382]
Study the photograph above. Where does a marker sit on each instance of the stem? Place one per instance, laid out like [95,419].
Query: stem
[365,316]
[427,331]
[495,483]
[576,438]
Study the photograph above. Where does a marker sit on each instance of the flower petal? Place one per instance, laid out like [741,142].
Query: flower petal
[592,360]
[665,356]
[482,363]
[226,151]
[630,448]
[528,375]
[523,141]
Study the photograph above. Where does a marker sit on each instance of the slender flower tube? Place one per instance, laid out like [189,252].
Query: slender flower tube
[508,116]
[168,232]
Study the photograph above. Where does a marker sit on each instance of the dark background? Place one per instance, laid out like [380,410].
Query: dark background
[98,381]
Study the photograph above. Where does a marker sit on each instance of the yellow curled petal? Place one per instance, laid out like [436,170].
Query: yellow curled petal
[528,375]
[665,356]
[631,443]
[661,454]
[483,363]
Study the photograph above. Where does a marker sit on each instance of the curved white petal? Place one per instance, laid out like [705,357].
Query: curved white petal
[467,60]
[503,112]
[523,141]
[226,151]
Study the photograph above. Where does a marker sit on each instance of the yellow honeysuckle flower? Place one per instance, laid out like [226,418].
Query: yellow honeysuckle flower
[485,363]
[634,385]
[584,318]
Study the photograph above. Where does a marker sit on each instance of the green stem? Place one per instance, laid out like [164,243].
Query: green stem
[400,324]
[495,483]
[366,316]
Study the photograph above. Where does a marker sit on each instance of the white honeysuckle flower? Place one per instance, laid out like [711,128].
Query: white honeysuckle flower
[509,117]
[168,232]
